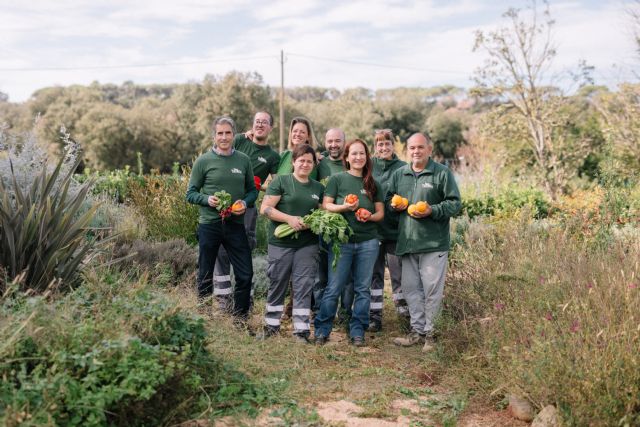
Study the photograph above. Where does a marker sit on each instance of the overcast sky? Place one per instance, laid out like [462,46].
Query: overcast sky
[326,43]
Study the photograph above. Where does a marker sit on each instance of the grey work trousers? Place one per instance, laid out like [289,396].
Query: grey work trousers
[222,271]
[387,257]
[298,265]
[423,286]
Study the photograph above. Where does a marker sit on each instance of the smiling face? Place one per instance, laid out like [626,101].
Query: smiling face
[299,134]
[384,149]
[419,150]
[357,156]
[334,143]
[303,165]
[224,137]
[261,126]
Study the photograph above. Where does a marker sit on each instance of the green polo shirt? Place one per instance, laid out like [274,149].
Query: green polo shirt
[328,166]
[342,184]
[298,199]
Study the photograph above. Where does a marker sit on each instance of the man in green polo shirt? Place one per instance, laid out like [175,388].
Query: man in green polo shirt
[423,238]
[223,168]
[264,161]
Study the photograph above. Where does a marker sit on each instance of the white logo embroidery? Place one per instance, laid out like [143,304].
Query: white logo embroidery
[315,196]
[262,159]
[363,191]
[427,185]
[236,170]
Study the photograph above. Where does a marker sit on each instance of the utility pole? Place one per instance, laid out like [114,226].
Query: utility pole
[281,101]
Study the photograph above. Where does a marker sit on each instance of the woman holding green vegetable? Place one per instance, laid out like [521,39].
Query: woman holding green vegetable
[292,255]
[358,197]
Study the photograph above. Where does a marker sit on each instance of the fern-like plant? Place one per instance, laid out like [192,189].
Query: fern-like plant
[43,228]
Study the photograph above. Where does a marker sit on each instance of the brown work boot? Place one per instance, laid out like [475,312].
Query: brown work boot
[411,339]
[429,345]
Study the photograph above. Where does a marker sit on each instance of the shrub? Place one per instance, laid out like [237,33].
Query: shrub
[42,228]
[506,202]
[535,311]
[176,254]
[160,199]
[112,352]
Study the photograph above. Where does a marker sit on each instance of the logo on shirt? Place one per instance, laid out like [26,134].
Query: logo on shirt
[363,191]
[315,196]
[236,170]
[427,185]
[262,159]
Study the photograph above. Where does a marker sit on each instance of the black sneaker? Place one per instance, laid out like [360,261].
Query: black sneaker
[375,326]
[321,340]
[358,341]
[266,333]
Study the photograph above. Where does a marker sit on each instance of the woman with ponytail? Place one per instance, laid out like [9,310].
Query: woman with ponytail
[358,197]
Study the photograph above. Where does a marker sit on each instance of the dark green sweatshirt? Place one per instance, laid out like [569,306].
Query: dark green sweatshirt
[213,172]
[382,171]
[436,185]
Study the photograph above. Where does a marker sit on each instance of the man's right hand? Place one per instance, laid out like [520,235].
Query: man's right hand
[213,201]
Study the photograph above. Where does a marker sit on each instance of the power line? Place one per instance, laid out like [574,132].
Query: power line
[372,64]
[159,64]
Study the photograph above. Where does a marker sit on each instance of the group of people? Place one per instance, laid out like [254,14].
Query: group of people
[412,243]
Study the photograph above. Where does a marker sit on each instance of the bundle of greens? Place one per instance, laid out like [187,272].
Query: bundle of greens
[331,226]
[224,204]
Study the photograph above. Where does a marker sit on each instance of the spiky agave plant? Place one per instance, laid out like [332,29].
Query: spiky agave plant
[43,228]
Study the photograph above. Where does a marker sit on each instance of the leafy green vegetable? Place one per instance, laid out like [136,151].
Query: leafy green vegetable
[331,226]
[224,204]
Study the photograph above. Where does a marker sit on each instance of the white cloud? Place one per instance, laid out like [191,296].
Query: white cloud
[434,38]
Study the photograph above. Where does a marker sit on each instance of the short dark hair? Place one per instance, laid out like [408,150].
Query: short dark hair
[302,149]
[265,112]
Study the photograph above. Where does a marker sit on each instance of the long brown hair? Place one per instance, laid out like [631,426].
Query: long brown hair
[367,177]
[311,139]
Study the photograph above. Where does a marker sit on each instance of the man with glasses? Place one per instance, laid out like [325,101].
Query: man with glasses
[264,161]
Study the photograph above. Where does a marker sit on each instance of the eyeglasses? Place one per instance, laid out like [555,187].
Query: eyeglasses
[261,122]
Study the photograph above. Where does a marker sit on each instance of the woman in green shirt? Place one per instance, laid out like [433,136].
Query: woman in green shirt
[292,258]
[300,132]
[359,254]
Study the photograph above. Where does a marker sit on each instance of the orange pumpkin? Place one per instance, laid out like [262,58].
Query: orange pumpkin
[421,207]
[396,201]
[411,210]
[237,206]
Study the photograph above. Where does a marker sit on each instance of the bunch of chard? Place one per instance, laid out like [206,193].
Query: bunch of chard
[224,204]
[331,226]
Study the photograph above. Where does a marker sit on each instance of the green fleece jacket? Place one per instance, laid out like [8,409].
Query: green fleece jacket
[212,172]
[436,185]
[382,171]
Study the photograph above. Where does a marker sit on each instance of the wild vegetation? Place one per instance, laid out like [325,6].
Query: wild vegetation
[99,323]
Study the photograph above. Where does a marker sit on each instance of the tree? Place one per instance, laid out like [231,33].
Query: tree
[520,53]
[447,132]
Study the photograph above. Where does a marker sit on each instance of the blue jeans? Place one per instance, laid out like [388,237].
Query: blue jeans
[346,298]
[356,261]
[233,238]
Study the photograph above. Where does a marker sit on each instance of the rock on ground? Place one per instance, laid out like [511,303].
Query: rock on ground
[548,417]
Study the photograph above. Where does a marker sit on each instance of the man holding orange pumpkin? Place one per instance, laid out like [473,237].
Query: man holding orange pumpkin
[423,234]
[218,177]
